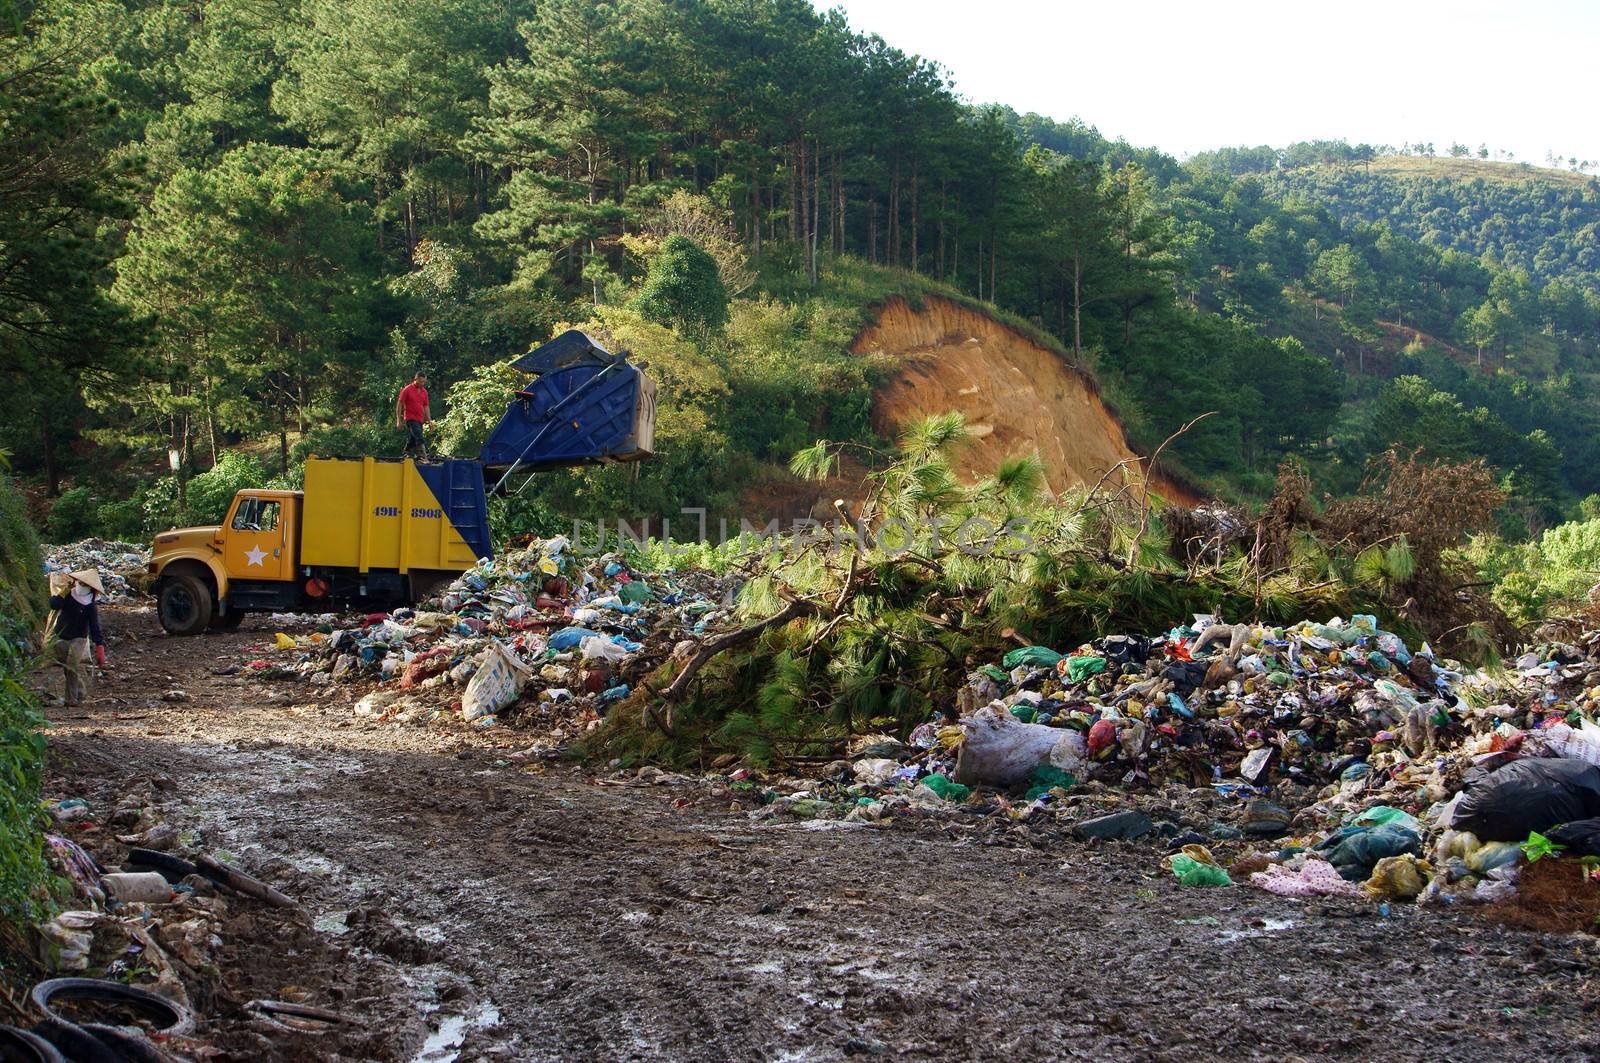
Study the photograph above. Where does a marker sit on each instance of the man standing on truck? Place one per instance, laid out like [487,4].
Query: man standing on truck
[73,599]
[411,413]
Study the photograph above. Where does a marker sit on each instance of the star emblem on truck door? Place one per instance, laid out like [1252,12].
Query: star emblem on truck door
[256,556]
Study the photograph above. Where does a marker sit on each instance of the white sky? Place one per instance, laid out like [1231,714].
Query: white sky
[1185,77]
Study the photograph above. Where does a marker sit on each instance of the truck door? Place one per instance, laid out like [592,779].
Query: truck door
[256,536]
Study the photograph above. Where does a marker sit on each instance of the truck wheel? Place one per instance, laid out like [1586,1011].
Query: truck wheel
[184,606]
[228,621]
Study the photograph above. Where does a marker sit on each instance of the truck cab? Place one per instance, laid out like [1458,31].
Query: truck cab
[198,569]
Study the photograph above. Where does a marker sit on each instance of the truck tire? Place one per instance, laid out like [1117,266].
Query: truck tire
[184,606]
[228,621]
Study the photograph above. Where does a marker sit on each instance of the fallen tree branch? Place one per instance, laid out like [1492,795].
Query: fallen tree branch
[708,649]
[1150,472]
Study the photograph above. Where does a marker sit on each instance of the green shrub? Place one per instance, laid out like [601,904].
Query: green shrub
[24,876]
[684,289]
[525,514]
[74,516]
[210,493]
[349,441]
[123,519]
[22,586]
[1533,581]
[159,503]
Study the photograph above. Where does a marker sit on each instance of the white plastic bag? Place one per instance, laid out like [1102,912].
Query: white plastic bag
[496,684]
[598,646]
[1000,749]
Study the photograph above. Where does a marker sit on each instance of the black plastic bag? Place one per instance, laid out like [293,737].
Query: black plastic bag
[1581,837]
[1526,796]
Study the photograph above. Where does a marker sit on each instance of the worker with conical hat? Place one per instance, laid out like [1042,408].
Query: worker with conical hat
[75,598]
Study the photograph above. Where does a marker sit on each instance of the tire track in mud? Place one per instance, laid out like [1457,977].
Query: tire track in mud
[603,923]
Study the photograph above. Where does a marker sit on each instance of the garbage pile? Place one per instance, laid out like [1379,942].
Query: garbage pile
[1315,759]
[538,638]
[121,565]
[139,928]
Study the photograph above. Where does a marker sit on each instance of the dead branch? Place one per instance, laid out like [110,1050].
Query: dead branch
[1150,472]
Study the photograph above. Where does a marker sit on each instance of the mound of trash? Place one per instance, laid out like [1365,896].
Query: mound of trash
[121,565]
[1314,759]
[538,639]
[1318,758]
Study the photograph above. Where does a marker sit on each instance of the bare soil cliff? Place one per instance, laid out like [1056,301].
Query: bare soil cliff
[1017,395]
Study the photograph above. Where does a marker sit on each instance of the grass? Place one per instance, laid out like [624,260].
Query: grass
[1509,173]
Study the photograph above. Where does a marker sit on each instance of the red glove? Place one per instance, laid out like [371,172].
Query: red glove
[100,657]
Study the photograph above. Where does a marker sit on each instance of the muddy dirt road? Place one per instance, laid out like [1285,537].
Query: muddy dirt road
[474,907]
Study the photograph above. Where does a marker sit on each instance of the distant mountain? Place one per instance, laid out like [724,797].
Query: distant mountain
[1544,221]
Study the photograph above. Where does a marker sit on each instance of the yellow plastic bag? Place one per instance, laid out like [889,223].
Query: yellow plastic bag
[1399,878]
[285,642]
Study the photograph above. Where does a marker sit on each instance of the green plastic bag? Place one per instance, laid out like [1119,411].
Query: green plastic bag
[1191,872]
[635,591]
[1047,777]
[1081,668]
[1033,656]
[950,791]
[1378,815]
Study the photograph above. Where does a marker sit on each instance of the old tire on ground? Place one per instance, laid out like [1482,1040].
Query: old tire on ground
[58,995]
[22,1045]
[184,606]
[228,621]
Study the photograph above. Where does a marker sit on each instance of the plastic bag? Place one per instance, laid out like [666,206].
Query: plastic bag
[875,771]
[1399,878]
[949,791]
[1033,656]
[1316,878]
[1581,837]
[495,684]
[1355,850]
[1526,796]
[1378,815]
[1191,872]
[284,642]
[1080,668]
[569,637]
[601,648]
[1580,743]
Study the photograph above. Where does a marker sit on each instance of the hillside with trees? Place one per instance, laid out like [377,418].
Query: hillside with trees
[240,227]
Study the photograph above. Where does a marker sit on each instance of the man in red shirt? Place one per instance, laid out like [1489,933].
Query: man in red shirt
[411,413]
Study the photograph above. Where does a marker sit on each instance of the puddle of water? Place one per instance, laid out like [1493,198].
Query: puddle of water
[1269,926]
[444,1044]
[332,922]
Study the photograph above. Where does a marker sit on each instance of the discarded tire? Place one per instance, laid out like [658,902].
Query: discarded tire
[66,1001]
[125,1043]
[76,1044]
[25,1047]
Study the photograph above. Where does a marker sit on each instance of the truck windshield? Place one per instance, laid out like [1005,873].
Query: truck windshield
[256,514]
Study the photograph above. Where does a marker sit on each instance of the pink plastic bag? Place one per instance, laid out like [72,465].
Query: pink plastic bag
[1316,879]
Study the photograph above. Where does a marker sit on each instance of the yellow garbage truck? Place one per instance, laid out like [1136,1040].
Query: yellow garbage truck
[379,532]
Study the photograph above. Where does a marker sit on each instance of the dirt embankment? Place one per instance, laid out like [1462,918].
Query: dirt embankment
[1017,395]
